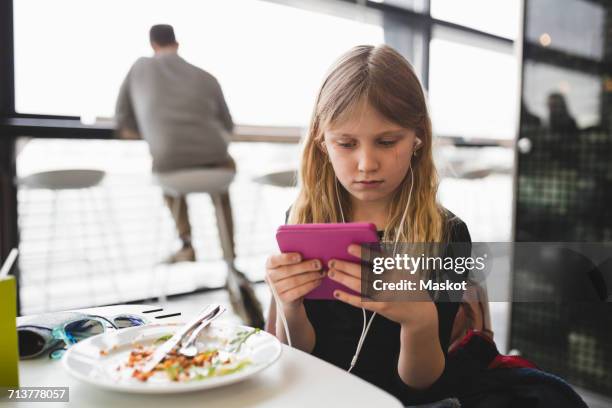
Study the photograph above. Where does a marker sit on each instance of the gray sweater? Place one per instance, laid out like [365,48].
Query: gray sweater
[179,109]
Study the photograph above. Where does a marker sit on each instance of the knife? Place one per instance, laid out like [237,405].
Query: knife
[160,353]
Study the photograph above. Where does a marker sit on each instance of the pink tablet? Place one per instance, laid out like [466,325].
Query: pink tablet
[325,242]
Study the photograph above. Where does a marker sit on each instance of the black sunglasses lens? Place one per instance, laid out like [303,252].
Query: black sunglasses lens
[82,329]
[128,321]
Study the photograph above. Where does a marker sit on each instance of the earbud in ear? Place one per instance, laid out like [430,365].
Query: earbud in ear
[417,146]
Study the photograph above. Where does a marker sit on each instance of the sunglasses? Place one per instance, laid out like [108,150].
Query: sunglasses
[72,332]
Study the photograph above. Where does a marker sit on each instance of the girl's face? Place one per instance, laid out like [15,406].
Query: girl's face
[370,155]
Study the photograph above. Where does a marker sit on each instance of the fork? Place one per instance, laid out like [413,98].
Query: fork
[189,349]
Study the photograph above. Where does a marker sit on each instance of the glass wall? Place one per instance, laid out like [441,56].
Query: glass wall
[564,186]
[269,57]
[501,17]
[473,86]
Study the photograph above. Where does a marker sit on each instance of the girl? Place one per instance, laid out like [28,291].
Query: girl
[368,158]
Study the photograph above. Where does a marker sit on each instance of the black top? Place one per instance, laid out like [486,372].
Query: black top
[338,327]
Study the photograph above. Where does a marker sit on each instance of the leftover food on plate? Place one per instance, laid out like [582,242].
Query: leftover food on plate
[218,355]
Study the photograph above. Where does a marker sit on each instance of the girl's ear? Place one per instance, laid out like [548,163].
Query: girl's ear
[322,147]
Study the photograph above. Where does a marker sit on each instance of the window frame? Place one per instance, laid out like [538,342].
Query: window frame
[415,20]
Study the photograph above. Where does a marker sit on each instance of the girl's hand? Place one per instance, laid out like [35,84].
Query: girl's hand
[413,314]
[293,278]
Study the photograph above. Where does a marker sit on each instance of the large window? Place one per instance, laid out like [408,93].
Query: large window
[579,30]
[473,87]
[498,17]
[581,93]
[268,57]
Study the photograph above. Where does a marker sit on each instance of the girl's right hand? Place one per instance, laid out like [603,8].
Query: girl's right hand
[293,278]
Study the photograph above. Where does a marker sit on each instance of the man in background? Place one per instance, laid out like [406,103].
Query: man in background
[179,109]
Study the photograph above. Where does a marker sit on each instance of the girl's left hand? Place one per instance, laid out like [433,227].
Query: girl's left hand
[415,313]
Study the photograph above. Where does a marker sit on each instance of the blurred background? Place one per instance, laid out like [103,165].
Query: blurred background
[519,94]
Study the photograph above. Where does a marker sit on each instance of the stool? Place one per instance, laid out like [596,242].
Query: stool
[287,178]
[62,180]
[281,179]
[216,182]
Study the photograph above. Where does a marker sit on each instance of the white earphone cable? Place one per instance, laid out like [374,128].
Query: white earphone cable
[338,199]
[366,327]
[401,225]
[366,324]
[281,313]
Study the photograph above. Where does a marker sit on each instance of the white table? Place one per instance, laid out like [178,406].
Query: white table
[296,380]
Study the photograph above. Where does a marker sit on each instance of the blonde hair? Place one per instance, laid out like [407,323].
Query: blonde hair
[381,76]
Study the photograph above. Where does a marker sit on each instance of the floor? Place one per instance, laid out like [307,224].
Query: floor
[105,245]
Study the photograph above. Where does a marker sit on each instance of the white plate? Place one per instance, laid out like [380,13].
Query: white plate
[95,360]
